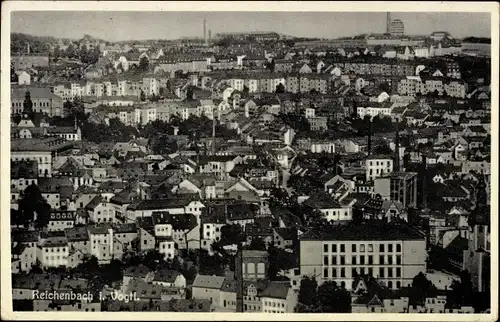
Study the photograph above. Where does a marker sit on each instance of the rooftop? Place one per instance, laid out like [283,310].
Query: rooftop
[365,231]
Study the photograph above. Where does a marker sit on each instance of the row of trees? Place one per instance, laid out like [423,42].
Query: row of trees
[327,298]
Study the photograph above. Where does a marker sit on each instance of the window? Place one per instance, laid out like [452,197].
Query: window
[389,272]
[325,248]
[325,260]
[390,248]
[381,259]
[389,284]
[362,248]
[342,248]
[370,271]
[370,247]
[381,248]
[353,248]
[353,260]
[334,248]
[325,273]
[398,260]
[381,272]
[370,260]
[342,260]
[334,272]
[342,272]
[398,248]
[362,260]
[398,271]
[334,260]
[389,259]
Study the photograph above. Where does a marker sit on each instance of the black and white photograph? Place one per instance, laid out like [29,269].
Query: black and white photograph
[288,163]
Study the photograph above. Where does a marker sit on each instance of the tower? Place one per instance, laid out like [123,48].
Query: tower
[388,23]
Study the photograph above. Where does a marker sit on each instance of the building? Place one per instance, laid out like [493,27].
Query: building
[341,254]
[44,101]
[41,150]
[377,166]
[397,28]
[254,265]
[398,186]
[278,297]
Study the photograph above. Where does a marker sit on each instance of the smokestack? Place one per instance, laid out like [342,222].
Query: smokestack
[239,279]
[369,137]
[424,179]
[397,164]
[213,133]
[388,23]
[205,30]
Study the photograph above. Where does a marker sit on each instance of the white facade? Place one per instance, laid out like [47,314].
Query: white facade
[376,168]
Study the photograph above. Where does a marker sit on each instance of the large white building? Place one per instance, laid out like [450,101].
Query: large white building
[392,254]
[378,166]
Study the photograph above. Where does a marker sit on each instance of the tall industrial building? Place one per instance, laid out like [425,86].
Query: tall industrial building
[397,28]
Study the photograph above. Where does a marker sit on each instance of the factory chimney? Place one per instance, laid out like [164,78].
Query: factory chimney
[397,165]
[213,133]
[369,137]
[423,178]
[238,268]
[205,30]
[388,23]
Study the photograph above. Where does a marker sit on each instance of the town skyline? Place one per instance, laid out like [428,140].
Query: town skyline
[111,26]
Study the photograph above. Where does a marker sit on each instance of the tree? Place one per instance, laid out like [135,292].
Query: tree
[271,64]
[421,287]
[231,234]
[383,149]
[33,203]
[308,292]
[71,51]
[112,272]
[142,96]
[144,64]
[257,244]
[153,259]
[333,299]
[280,88]
[28,104]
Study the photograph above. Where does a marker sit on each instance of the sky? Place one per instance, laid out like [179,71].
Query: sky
[118,26]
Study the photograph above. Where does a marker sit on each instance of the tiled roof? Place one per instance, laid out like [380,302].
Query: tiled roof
[210,282]
[366,231]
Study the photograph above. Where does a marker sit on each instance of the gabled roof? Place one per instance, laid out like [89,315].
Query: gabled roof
[277,290]
[209,282]
[166,275]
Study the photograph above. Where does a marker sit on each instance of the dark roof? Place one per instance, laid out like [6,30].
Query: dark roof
[166,275]
[94,203]
[278,290]
[160,204]
[322,201]
[365,231]
[137,271]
